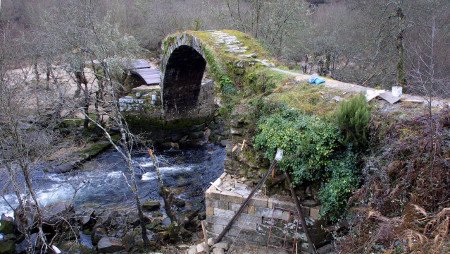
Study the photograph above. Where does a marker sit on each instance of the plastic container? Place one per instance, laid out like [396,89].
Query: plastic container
[397,91]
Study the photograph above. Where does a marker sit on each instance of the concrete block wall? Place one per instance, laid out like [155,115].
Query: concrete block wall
[265,221]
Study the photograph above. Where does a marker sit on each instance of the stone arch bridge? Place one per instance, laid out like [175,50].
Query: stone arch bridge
[195,65]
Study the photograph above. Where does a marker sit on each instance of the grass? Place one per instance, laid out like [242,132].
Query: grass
[308,99]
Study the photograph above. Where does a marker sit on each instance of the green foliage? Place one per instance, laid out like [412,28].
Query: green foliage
[225,84]
[335,193]
[353,118]
[259,81]
[307,141]
[313,152]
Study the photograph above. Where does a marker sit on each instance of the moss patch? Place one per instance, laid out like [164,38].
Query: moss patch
[94,149]
[312,100]
[145,123]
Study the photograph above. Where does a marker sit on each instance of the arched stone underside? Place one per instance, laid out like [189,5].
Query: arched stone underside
[182,85]
[182,80]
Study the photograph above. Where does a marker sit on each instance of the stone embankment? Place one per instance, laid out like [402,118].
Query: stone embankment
[267,221]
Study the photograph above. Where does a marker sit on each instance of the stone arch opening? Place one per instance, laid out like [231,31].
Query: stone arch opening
[182,80]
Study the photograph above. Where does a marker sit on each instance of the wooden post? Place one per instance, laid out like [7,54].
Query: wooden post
[205,236]
[311,247]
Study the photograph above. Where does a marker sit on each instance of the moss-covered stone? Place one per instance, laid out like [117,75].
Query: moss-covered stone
[94,149]
[151,205]
[146,123]
[155,225]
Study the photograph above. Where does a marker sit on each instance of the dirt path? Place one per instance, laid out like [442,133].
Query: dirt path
[353,88]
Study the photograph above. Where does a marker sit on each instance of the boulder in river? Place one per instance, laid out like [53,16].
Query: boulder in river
[110,245]
[151,205]
[54,213]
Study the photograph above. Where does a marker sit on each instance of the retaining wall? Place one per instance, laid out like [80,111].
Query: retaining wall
[266,221]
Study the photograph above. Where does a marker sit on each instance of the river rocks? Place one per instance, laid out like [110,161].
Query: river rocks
[110,245]
[201,248]
[218,251]
[55,212]
[201,216]
[23,246]
[113,221]
[218,248]
[196,135]
[192,250]
[6,218]
[221,245]
[57,221]
[88,220]
[97,234]
[235,132]
[151,205]
[155,225]
[64,167]
[179,202]
[170,145]
[74,247]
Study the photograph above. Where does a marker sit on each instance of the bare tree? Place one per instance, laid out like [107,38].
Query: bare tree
[25,141]
[425,74]
[107,53]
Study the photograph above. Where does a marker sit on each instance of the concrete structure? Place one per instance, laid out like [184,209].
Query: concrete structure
[267,221]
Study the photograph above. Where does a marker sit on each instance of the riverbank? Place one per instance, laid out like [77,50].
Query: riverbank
[100,204]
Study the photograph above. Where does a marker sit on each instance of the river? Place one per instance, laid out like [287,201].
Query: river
[101,181]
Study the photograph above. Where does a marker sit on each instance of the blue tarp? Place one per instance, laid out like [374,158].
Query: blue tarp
[316,80]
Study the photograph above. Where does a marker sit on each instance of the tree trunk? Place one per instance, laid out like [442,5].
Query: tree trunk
[401,72]
[164,192]
[134,188]
[39,218]
[86,107]
[48,73]
[36,71]
[327,63]
[125,150]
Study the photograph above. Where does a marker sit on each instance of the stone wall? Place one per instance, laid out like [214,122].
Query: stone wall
[203,107]
[266,221]
[140,102]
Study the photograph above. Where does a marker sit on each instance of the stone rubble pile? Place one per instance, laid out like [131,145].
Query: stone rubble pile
[218,248]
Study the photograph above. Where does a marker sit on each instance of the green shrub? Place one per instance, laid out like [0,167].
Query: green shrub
[353,117]
[313,152]
[307,141]
[336,192]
